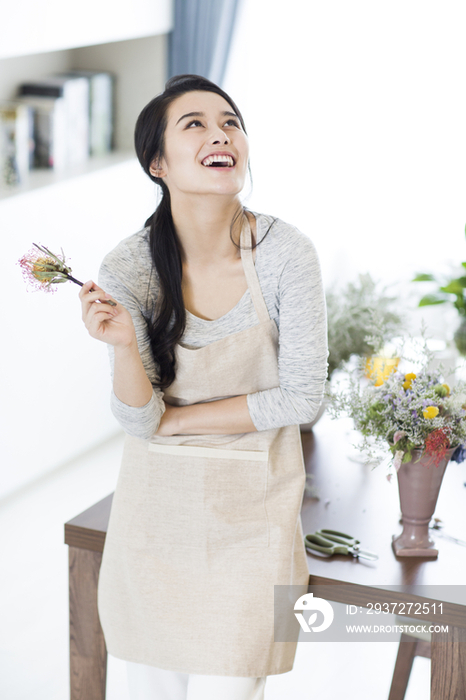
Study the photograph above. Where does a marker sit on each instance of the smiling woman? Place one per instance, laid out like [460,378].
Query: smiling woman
[208,136]
[218,352]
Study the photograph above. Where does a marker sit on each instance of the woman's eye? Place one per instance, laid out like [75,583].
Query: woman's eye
[230,122]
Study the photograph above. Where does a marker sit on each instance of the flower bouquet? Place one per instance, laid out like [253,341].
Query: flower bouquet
[422,422]
[408,412]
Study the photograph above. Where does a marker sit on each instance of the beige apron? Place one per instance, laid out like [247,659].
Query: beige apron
[203,526]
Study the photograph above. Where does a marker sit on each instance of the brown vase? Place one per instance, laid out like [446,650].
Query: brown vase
[419,486]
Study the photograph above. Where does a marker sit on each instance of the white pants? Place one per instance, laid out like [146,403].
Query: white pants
[151,683]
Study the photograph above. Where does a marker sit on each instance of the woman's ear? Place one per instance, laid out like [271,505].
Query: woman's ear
[156,169]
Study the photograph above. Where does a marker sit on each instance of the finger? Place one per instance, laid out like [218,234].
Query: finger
[96,304]
[97,318]
[86,288]
[93,299]
[87,305]
[91,288]
[98,330]
[96,296]
[89,311]
[110,300]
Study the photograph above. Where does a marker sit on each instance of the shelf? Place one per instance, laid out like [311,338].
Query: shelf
[53,25]
[45,178]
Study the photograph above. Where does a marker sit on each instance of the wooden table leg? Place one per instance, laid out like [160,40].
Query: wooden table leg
[403,666]
[88,653]
[448,666]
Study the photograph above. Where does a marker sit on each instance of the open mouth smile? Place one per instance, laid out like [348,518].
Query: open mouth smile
[219,160]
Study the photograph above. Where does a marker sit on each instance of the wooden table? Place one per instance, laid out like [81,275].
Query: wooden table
[352,498]
[356,499]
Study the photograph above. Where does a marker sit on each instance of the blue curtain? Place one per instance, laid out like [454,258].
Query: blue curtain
[201,39]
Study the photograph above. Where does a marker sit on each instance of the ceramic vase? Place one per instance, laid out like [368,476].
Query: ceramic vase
[419,486]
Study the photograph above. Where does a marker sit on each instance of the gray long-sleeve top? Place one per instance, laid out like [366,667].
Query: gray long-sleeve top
[289,275]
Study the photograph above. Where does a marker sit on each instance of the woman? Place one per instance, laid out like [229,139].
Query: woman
[218,352]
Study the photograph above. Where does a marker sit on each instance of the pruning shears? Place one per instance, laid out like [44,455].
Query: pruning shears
[333,542]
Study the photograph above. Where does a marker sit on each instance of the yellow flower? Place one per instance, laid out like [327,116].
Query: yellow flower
[380,368]
[408,380]
[430,412]
[447,388]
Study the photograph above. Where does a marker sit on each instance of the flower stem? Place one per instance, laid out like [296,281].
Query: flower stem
[73,279]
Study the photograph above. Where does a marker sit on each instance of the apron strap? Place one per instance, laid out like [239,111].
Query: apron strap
[251,274]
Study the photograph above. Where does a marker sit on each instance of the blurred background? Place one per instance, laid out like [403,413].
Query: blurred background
[356,117]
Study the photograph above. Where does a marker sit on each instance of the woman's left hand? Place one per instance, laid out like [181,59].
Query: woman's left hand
[168,423]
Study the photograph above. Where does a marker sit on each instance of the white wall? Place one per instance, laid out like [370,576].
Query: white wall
[55,379]
[356,113]
[14,71]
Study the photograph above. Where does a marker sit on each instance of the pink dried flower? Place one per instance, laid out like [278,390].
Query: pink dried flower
[41,269]
[398,435]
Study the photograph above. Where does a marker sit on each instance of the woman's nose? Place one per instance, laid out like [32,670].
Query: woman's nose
[218,136]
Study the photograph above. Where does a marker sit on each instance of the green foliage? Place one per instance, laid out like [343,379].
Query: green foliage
[460,337]
[431,299]
[451,290]
[424,277]
[360,320]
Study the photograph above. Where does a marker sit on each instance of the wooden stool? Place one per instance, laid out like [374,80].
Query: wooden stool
[412,643]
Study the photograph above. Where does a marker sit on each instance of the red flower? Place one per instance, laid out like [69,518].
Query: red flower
[437,444]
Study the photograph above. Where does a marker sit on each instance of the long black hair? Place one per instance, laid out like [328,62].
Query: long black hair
[168,321]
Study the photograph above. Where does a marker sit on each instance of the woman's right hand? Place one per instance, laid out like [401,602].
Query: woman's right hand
[111,324]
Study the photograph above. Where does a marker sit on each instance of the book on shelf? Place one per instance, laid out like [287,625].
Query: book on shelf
[101,109]
[16,143]
[49,131]
[74,93]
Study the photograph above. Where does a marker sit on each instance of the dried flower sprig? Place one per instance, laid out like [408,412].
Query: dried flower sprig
[43,269]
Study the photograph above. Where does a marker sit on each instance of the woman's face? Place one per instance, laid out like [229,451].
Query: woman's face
[206,150]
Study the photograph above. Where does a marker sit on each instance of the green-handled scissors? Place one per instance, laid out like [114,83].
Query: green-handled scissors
[334,542]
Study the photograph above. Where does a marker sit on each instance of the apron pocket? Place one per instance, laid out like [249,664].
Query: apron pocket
[208,498]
